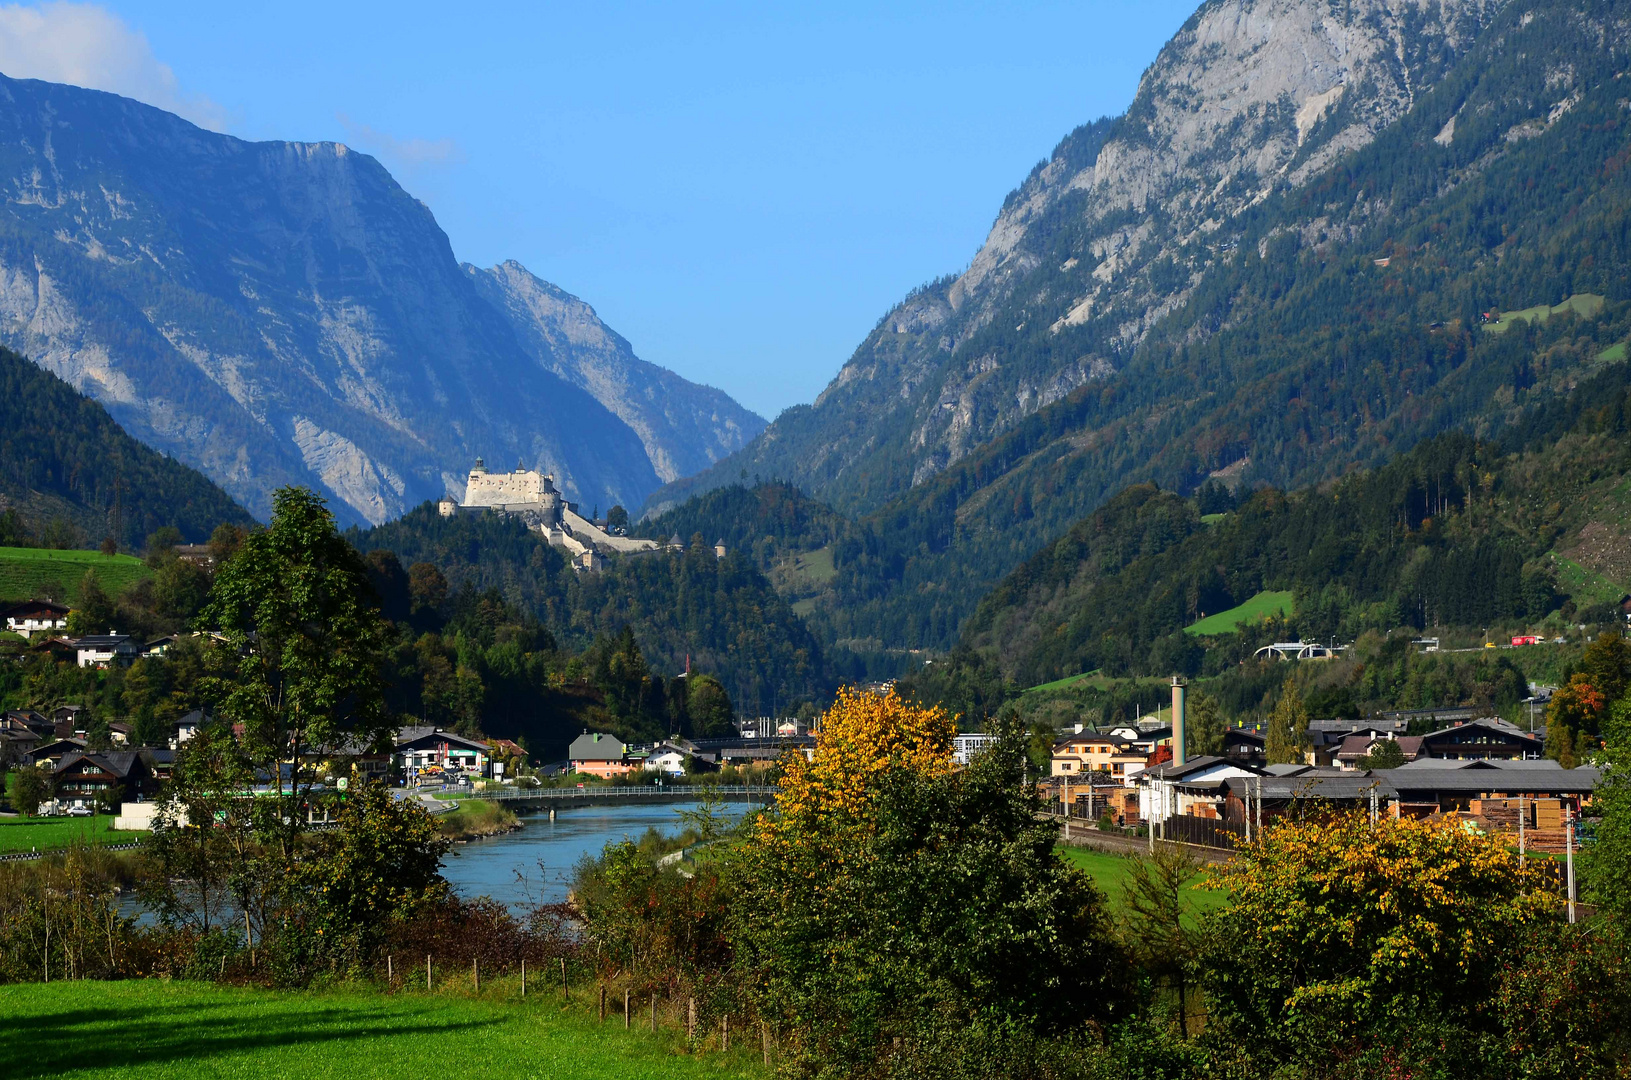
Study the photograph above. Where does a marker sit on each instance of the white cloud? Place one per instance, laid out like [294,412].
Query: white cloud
[412,154]
[89,46]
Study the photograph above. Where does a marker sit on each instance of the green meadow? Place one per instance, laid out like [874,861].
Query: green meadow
[37,573]
[157,1030]
[1258,607]
[44,834]
[1110,873]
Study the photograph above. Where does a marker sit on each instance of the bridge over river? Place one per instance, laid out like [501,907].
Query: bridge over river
[535,799]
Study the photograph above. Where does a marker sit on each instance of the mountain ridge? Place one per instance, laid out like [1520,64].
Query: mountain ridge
[275,312]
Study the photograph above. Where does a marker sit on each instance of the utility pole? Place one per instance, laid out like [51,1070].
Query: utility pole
[1568,848]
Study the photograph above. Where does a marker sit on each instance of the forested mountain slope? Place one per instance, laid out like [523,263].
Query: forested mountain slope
[280,312]
[1529,531]
[1333,318]
[721,614]
[74,477]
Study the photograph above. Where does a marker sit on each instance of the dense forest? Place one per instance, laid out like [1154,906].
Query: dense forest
[74,477]
[719,615]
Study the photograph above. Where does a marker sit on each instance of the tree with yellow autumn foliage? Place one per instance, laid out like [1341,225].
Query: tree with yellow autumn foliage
[894,906]
[1345,937]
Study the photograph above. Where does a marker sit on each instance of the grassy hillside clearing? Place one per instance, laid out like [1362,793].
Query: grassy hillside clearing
[1258,607]
[30,573]
[151,1030]
[1061,684]
[1585,305]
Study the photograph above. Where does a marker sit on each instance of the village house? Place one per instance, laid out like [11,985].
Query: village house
[1085,752]
[51,753]
[86,778]
[36,616]
[598,754]
[70,720]
[102,650]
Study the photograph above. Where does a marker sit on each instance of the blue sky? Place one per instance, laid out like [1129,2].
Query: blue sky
[741,190]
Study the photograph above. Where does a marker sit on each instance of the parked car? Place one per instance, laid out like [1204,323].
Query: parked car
[79,811]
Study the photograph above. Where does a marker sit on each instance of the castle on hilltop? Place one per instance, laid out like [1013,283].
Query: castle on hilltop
[532,496]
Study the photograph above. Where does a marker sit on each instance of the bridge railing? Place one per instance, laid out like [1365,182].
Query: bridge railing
[676,791]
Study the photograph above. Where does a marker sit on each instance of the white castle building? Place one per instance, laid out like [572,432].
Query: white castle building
[533,497]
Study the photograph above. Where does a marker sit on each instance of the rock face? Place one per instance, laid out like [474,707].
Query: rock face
[684,427]
[278,313]
[1110,235]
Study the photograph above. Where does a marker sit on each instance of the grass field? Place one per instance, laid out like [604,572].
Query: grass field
[1109,872]
[1585,586]
[149,1030]
[1585,305]
[30,573]
[1060,684]
[27,834]
[1613,354]
[1212,519]
[1258,607]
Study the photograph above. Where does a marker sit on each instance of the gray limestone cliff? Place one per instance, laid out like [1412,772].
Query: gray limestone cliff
[684,427]
[1109,235]
[277,312]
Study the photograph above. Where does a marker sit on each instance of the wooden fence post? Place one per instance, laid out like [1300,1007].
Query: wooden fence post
[725,1032]
[475,973]
[565,993]
[427,972]
[523,976]
[691,1021]
[625,1008]
[603,1004]
[764,1040]
[390,979]
[654,1012]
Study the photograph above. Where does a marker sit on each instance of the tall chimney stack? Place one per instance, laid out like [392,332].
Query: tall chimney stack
[1178,755]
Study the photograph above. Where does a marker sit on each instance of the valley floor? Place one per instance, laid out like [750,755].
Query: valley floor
[144,1030]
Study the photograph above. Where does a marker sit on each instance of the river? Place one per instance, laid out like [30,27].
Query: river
[534,864]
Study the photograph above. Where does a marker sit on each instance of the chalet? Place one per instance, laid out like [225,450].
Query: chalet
[1147,737]
[70,720]
[597,754]
[158,646]
[1245,745]
[190,725]
[669,756]
[1487,737]
[1325,736]
[36,616]
[102,650]
[83,779]
[200,555]
[55,646]
[36,722]
[161,760]
[1356,748]
[51,753]
[421,748]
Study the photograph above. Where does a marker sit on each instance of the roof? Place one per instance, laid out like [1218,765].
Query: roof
[411,736]
[34,605]
[119,762]
[1086,737]
[1422,785]
[596,746]
[103,641]
[1192,770]
[1360,745]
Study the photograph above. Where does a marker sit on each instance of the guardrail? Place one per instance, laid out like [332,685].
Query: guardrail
[28,856]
